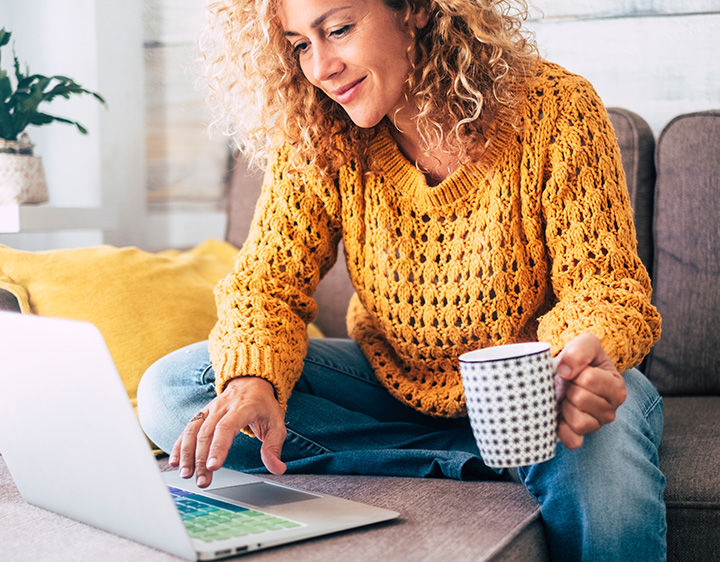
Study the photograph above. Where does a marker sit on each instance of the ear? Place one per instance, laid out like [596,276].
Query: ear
[420,15]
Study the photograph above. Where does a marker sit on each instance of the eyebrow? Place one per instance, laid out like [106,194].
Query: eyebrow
[319,21]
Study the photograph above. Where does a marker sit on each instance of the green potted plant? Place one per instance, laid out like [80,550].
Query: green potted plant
[22,179]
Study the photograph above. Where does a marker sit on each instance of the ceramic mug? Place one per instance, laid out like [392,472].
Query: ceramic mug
[511,402]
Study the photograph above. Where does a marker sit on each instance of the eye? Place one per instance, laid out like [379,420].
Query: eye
[340,31]
[300,48]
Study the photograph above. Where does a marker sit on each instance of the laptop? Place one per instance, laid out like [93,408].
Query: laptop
[73,445]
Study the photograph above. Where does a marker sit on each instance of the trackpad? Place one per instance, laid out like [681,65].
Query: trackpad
[261,494]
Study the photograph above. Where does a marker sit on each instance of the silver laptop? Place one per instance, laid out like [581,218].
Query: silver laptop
[73,445]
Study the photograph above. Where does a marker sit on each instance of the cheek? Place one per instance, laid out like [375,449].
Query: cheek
[395,56]
[396,75]
[305,71]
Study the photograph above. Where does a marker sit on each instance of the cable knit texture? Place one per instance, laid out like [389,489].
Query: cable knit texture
[536,242]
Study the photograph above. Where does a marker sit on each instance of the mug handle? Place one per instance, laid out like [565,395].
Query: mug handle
[555,361]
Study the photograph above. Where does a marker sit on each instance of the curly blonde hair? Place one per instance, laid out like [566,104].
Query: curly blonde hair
[466,63]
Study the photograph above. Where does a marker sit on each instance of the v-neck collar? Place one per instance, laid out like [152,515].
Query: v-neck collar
[400,172]
[409,180]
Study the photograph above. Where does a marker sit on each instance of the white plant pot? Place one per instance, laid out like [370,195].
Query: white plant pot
[22,179]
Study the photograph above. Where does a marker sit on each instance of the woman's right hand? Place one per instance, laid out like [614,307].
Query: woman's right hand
[246,402]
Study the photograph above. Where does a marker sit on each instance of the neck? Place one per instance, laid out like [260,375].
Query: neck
[436,166]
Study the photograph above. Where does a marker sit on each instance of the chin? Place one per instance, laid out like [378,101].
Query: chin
[364,121]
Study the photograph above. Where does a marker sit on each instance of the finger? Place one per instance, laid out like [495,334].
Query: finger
[272,432]
[188,443]
[589,402]
[568,437]
[560,385]
[174,459]
[607,385]
[581,423]
[187,452]
[214,444]
[585,348]
[579,353]
[271,450]
[225,431]
[205,437]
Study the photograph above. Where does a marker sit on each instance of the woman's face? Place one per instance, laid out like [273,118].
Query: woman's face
[356,51]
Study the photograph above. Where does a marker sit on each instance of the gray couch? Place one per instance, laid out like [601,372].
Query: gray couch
[676,198]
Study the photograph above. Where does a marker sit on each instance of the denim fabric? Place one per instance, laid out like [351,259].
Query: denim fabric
[604,501]
[339,419]
[601,502]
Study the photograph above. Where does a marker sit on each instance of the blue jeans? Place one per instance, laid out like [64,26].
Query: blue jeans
[603,501]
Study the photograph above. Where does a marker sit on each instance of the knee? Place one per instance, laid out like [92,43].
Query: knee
[150,388]
[643,408]
[165,373]
[612,485]
[171,390]
[621,458]
[610,492]
[626,448]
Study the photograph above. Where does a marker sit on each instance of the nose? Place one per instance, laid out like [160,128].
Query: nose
[326,62]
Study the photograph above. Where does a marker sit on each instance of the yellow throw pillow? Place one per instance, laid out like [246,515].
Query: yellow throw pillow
[144,304]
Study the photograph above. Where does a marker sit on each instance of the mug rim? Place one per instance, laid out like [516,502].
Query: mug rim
[504,352]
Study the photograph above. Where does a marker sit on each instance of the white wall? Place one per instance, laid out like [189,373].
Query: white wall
[658,58]
[98,44]
[122,127]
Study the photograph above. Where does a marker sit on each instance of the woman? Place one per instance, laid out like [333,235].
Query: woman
[480,197]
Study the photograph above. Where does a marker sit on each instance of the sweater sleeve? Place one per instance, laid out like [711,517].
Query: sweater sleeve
[265,304]
[600,284]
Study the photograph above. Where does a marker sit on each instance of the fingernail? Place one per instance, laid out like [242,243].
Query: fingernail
[173,460]
[564,371]
[201,480]
[185,472]
[212,462]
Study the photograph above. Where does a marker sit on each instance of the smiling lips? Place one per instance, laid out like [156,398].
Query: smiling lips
[346,93]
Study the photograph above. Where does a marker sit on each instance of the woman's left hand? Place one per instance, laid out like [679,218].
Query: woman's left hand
[589,387]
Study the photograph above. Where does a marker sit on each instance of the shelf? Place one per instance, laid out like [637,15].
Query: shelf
[45,218]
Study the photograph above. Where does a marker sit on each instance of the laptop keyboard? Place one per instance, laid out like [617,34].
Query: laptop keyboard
[208,519]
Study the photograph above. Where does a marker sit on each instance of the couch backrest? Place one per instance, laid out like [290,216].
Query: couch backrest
[686,360]
[637,148]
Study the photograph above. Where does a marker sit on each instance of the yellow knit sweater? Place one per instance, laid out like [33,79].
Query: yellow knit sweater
[536,243]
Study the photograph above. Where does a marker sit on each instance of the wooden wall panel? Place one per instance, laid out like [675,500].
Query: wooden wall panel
[656,66]
[185,166]
[173,21]
[621,8]
[656,57]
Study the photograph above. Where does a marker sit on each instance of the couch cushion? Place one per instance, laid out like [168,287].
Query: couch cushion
[440,520]
[637,148]
[145,305]
[690,461]
[686,359]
